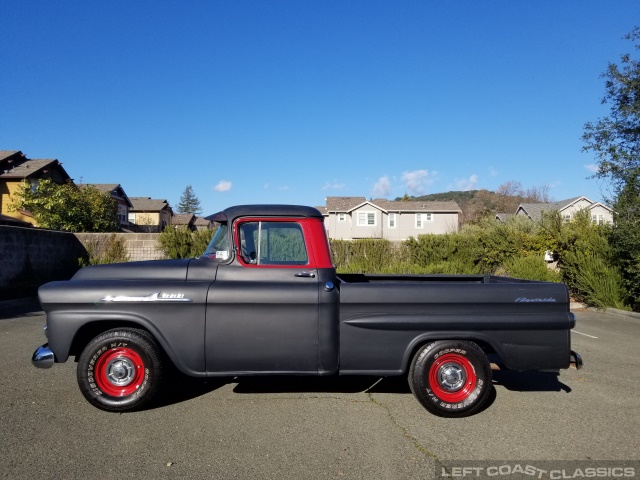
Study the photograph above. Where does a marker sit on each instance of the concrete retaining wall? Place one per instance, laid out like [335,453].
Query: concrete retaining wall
[30,257]
[139,246]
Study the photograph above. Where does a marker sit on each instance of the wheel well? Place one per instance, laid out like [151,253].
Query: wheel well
[91,330]
[485,346]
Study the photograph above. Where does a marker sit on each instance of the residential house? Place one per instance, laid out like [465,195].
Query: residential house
[202,223]
[15,169]
[184,220]
[599,212]
[349,218]
[149,214]
[122,202]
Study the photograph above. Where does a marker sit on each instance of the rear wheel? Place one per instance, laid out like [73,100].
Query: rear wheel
[120,370]
[451,378]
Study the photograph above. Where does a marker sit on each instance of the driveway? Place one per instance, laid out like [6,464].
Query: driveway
[316,427]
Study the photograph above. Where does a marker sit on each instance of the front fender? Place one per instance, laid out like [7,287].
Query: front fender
[183,346]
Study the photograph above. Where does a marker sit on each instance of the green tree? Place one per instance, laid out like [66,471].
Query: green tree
[189,202]
[615,141]
[67,207]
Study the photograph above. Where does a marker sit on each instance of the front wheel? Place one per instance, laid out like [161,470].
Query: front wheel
[120,370]
[451,378]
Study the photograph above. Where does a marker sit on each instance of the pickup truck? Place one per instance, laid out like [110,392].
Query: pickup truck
[265,299]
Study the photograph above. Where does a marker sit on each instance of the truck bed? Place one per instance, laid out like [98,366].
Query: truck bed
[436,278]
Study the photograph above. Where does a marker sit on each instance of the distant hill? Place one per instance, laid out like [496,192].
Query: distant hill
[476,204]
[460,197]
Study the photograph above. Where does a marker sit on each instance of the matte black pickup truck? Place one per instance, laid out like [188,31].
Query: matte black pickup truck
[265,299]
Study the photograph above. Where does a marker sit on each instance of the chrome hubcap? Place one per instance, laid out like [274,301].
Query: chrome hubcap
[120,371]
[451,377]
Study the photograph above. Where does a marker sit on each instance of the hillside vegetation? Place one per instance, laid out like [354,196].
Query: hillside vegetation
[477,204]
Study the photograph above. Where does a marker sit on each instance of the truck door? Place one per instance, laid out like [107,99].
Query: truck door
[262,313]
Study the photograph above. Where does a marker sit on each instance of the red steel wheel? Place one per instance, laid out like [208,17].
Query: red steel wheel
[120,370]
[451,378]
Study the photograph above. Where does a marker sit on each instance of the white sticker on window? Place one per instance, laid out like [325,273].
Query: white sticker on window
[222,254]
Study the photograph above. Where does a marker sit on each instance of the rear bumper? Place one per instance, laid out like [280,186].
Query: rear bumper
[43,357]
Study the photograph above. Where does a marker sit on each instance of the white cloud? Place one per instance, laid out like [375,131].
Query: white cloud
[223,186]
[592,167]
[467,183]
[382,187]
[334,185]
[416,181]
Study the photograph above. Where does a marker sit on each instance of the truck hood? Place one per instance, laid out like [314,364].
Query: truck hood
[175,270]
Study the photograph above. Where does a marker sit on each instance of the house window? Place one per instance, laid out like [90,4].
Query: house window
[421,218]
[366,219]
[122,214]
[597,219]
[342,217]
[392,220]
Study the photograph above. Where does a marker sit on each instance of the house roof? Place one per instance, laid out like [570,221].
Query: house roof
[343,204]
[148,204]
[347,204]
[444,206]
[31,168]
[534,210]
[6,154]
[103,187]
[323,210]
[182,219]
[113,189]
[202,222]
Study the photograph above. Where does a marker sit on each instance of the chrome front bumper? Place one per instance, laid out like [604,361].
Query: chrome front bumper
[43,357]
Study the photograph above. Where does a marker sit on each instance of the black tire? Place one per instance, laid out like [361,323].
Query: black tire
[120,370]
[451,378]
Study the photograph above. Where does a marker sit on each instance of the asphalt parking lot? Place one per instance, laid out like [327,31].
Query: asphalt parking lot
[316,428]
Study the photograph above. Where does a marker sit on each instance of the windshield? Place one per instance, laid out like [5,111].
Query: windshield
[219,246]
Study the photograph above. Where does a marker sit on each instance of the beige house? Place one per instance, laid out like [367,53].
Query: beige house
[599,212]
[349,218]
[149,214]
[15,169]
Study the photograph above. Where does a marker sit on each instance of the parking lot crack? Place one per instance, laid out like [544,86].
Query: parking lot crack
[405,431]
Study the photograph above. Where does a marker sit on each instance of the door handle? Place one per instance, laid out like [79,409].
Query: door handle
[306,274]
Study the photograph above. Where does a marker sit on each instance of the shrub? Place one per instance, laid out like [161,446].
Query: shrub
[529,268]
[369,255]
[593,281]
[109,250]
[183,243]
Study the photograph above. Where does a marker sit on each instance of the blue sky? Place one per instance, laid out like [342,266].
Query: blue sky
[293,101]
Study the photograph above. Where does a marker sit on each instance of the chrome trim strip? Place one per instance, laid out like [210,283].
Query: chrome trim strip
[154,297]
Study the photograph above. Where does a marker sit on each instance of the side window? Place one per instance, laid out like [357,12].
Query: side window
[272,243]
